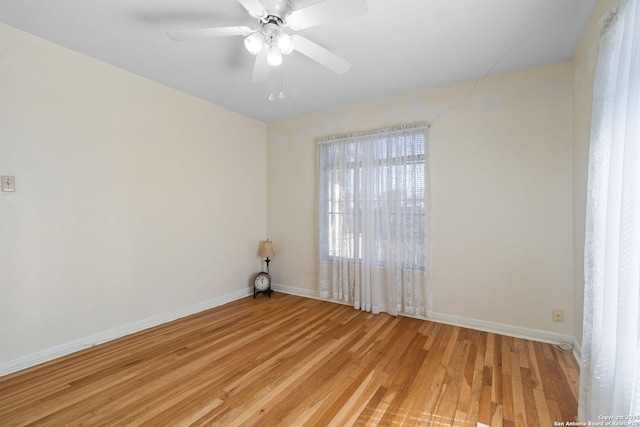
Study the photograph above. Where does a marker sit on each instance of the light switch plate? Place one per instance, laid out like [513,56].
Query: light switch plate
[8,183]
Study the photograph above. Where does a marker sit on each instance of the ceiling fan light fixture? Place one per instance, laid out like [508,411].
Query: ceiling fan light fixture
[254,42]
[274,56]
[285,43]
[269,42]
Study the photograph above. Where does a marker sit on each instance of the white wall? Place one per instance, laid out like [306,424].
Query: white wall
[584,67]
[133,200]
[501,194]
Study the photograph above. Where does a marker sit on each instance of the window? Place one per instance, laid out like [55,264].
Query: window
[372,196]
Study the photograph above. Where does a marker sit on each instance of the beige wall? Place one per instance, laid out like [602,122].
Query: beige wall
[133,200]
[584,67]
[501,193]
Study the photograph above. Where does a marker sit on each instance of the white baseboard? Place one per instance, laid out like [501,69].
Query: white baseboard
[577,350]
[307,293]
[502,329]
[47,354]
[466,322]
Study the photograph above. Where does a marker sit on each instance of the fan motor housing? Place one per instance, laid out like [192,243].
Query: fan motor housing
[270,28]
[277,8]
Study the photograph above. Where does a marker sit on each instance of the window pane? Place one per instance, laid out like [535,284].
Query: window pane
[386,174]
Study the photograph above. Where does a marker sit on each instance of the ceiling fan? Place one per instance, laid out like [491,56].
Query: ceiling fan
[269,42]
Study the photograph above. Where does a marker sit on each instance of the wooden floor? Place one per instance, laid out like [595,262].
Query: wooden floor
[293,361]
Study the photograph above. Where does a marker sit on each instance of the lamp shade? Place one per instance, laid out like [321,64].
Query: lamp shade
[274,56]
[266,249]
[254,43]
[285,43]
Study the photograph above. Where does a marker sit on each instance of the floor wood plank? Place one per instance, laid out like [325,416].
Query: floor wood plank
[294,361]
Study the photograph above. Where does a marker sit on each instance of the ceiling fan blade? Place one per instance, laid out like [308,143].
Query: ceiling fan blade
[321,55]
[261,68]
[207,33]
[254,7]
[325,12]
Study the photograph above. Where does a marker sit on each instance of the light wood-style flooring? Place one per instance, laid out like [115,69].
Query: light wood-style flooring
[293,361]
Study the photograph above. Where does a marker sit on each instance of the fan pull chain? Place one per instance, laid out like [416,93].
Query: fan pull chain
[281,94]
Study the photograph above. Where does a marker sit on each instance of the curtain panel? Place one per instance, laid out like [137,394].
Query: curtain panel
[373,204]
[610,371]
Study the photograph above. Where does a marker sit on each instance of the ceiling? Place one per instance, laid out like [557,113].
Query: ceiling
[400,46]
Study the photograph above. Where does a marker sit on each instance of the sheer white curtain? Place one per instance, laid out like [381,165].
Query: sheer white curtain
[610,374]
[374,220]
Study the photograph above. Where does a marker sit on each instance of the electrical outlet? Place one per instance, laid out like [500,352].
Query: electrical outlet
[558,315]
[8,183]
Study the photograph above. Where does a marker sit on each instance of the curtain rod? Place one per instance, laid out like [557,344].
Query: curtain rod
[607,20]
[392,129]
